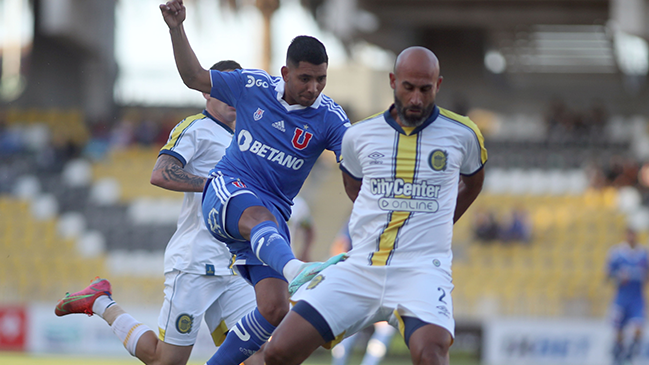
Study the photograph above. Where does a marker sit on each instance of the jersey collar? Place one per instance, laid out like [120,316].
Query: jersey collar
[280,88]
[393,123]
[225,126]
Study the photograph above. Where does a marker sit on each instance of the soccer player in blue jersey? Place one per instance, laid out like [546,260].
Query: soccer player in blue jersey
[628,267]
[283,125]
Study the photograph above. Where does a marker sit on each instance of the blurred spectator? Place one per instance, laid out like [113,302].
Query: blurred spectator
[518,228]
[566,125]
[146,132]
[486,228]
[621,171]
[98,145]
[122,135]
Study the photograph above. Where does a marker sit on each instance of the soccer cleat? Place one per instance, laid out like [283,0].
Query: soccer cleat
[310,270]
[82,301]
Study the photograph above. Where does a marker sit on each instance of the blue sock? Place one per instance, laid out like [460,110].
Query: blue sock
[269,246]
[247,336]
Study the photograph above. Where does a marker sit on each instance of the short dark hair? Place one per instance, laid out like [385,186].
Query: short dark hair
[226,65]
[304,48]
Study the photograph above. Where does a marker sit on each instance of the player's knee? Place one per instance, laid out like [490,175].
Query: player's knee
[435,353]
[273,312]
[275,355]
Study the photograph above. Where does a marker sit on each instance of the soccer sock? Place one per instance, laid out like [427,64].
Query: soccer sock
[291,269]
[243,340]
[633,348]
[269,246]
[129,330]
[101,304]
[618,351]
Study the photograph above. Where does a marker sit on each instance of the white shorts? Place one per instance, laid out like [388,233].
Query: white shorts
[221,300]
[351,297]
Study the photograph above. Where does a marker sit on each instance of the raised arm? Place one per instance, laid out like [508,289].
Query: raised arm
[470,187]
[190,69]
[168,173]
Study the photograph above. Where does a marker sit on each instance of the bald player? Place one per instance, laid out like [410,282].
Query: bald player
[412,172]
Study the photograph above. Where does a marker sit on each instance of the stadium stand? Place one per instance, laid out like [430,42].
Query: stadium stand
[99,215]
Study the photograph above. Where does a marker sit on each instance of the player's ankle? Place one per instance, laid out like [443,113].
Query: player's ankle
[112,312]
[292,269]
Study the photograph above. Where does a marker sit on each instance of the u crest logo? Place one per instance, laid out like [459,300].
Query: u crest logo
[301,138]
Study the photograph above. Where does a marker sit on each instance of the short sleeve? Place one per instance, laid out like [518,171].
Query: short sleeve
[350,162]
[182,142]
[227,86]
[476,153]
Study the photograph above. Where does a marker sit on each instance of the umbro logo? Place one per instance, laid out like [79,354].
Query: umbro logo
[279,125]
[376,157]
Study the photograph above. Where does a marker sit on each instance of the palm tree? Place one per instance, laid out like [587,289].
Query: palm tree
[267,8]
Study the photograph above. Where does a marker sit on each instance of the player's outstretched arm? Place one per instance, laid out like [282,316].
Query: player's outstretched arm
[190,69]
[470,187]
[168,173]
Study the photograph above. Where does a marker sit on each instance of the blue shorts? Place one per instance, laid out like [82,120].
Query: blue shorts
[628,311]
[218,214]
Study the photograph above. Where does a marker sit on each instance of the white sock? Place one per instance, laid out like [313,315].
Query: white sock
[101,304]
[129,330]
[291,269]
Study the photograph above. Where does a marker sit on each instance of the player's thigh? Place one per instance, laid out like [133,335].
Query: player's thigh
[237,300]
[221,217]
[429,344]
[187,298]
[346,296]
[422,293]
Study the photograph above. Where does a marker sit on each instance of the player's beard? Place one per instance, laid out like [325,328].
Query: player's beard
[412,121]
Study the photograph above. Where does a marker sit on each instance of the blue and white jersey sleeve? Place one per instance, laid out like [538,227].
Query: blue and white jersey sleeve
[227,86]
[334,130]
[350,162]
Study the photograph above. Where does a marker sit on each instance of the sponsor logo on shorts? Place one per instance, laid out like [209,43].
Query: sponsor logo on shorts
[209,269]
[258,114]
[213,222]
[239,184]
[315,282]
[184,323]
[437,160]
[442,310]
[436,263]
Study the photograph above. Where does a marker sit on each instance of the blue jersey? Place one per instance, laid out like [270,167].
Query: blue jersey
[275,144]
[630,263]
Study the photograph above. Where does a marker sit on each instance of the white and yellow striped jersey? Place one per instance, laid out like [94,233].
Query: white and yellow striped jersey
[403,215]
[198,142]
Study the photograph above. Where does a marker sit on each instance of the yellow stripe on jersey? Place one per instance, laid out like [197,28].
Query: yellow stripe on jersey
[405,167]
[179,130]
[370,117]
[469,123]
